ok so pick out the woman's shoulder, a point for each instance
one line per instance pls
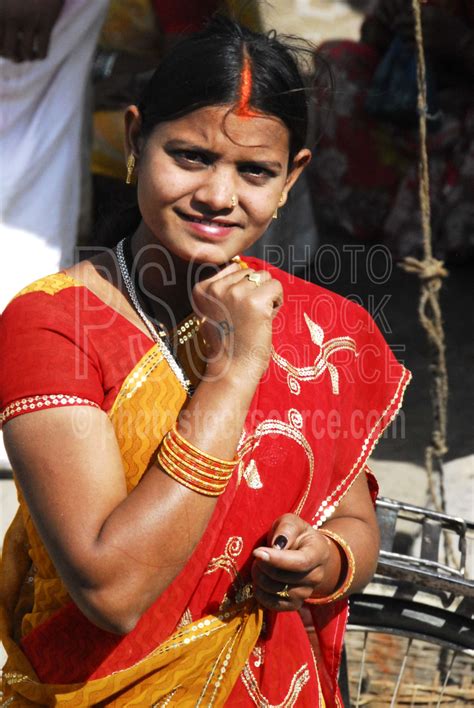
(51, 291)
(49, 303)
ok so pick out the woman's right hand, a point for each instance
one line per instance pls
(238, 316)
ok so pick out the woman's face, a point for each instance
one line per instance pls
(209, 182)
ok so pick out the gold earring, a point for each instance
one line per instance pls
(130, 168)
(233, 201)
(281, 201)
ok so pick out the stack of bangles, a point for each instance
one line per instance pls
(192, 467)
(343, 587)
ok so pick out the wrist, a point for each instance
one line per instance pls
(342, 580)
(233, 373)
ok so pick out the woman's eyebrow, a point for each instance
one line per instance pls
(269, 164)
(192, 147)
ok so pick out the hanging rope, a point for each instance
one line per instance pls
(431, 273)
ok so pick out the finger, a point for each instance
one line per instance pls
(281, 577)
(245, 287)
(281, 580)
(299, 561)
(231, 269)
(276, 603)
(285, 531)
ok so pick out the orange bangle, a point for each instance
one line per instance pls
(184, 444)
(348, 580)
(193, 468)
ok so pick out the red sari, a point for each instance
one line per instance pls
(331, 388)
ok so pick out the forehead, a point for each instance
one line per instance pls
(218, 128)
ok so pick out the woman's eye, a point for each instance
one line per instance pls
(191, 157)
(256, 171)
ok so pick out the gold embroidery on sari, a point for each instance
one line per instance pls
(329, 505)
(166, 700)
(138, 376)
(321, 363)
(259, 656)
(34, 403)
(226, 561)
(186, 618)
(295, 418)
(250, 474)
(293, 385)
(298, 682)
(278, 427)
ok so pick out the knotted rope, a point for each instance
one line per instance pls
(431, 273)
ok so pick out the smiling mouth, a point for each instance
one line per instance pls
(208, 222)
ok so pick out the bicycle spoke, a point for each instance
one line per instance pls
(362, 667)
(445, 682)
(400, 673)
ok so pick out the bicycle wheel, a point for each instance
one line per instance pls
(407, 653)
(410, 638)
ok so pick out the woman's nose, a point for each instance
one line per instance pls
(217, 192)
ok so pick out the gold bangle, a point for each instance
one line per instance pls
(184, 458)
(192, 467)
(189, 485)
(192, 470)
(184, 443)
(351, 568)
(166, 463)
(189, 481)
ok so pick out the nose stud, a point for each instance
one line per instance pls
(233, 201)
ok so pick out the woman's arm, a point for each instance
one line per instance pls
(311, 563)
(116, 552)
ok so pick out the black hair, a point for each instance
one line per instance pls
(206, 69)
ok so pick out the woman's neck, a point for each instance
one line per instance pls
(163, 280)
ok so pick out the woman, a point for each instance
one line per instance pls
(366, 178)
(192, 459)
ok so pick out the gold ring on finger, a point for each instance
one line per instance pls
(255, 278)
(284, 593)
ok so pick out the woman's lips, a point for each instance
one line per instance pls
(213, 228)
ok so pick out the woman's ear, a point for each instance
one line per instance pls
(133, 125)
(300, 161)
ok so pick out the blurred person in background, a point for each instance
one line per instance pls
(366, 175)
(45, 54)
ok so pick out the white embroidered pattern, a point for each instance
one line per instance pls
(226, 561)
(298, 682)
(186, 618)
(321, 363)
(35, 403)
(250, 474)
(329, 505)
(278, 427)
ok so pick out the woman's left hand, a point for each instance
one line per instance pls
(295, 561)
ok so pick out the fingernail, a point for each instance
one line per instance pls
(280, 542)
(263, 555)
